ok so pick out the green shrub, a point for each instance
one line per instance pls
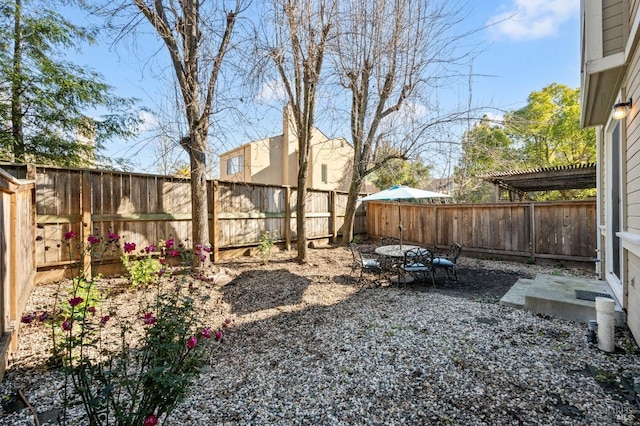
(265, 246)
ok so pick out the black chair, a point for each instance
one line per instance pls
(363, 264)
(448, 260)
(418, 263)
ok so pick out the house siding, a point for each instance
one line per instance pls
(601, 90)
(612, 26)
(632, 153)
(633, 295)
(630, 179)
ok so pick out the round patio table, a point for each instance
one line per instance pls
(396, 251)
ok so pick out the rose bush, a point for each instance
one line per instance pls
(140, 380)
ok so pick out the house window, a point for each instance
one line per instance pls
(324, 174)
(234, 165)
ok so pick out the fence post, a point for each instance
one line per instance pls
(532, 235)
(333, 217)
(87, 224)
(31, 172)
(287, 218)
(437, 227)
(213, 229)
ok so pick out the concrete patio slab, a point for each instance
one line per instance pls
(556, 296)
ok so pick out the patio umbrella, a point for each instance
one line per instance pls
(402, 192)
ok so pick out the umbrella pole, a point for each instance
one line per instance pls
(400, 221)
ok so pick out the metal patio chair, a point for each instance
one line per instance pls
(448, 260)
(363, 264)
(418, 263)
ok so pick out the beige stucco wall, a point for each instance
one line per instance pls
(336, 155)
(228, 156)
(274, 160)
(261, 162)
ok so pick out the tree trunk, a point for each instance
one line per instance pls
(350, 212)
(199, 198)
(301, 218)
(16, 87)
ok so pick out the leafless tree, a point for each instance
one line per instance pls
(197, 36)
(303, 28)
(389, 55)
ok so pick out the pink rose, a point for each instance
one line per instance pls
(152, 420)
(191, 343)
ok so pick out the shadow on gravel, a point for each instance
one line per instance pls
(473, 283)
(257, 290)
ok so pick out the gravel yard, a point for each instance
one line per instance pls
(310, 346)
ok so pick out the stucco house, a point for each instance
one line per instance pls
(274, 160)
(610, 89)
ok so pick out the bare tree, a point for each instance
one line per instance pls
(303, 31)
(388, 55)
(197, 36)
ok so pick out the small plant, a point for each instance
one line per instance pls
(265, 247)
(356, 239)
(147, 269)
(144, 270)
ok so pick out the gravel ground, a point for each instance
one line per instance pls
(310, 346)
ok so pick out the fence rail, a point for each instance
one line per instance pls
(538, 230)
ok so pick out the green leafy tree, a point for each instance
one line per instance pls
(547, 130)
(400, 172)
(485, 148)
(44, 98)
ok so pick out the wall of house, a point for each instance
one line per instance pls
(274, 161)
(630, 178)
(336, 156)
(244, 175)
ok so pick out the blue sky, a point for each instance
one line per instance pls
(532, 44)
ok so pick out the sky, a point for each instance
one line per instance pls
(525, 45)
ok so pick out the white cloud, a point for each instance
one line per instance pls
(412, 111)
(533, 19)
(271, 91)
(148, 121)
(495, 118)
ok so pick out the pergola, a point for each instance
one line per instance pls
(521, 182)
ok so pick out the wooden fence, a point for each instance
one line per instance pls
(17, 261)
(147, 208)
(556, 231)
